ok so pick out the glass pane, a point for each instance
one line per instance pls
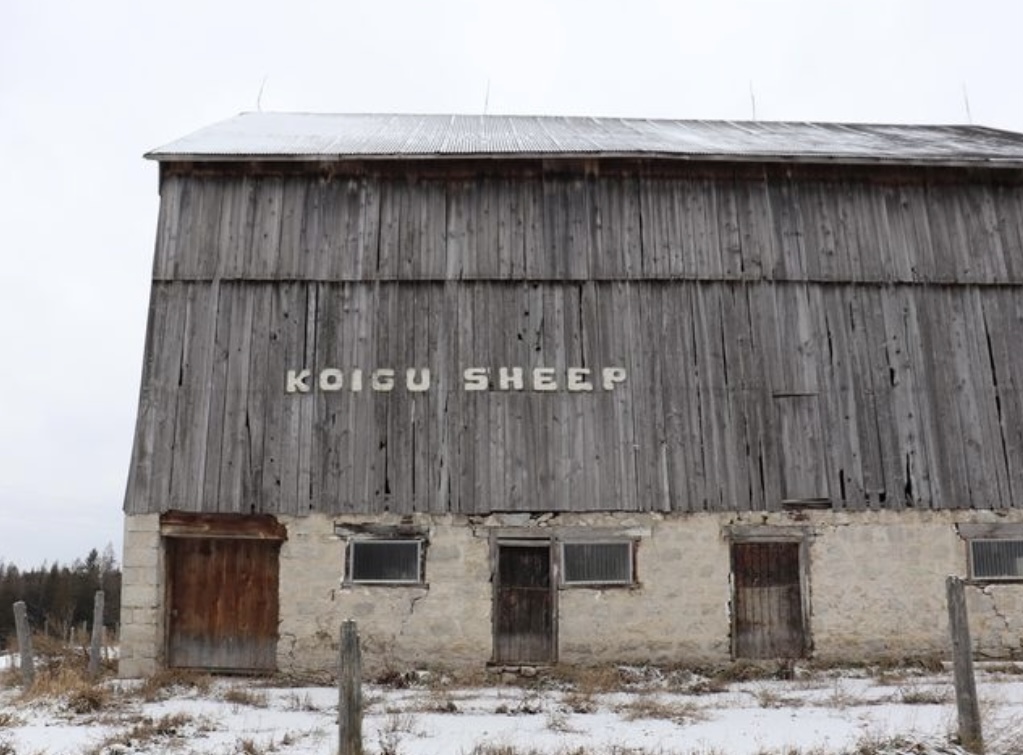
(598, 562)
(997, 559)
(385, 561)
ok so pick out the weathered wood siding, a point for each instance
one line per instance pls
(882, 317)
(879, 226)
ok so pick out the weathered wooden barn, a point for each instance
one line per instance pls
(522, 390)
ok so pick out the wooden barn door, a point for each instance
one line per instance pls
(222, 603)
(524, 627)
(767, 607)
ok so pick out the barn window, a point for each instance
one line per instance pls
(597, 563)
(385, 561)
(996, 559)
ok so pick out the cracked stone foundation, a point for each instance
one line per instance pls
(873, 587)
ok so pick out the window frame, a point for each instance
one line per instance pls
(420, 561)
(971, 558)
(974, 532)
(566, 583)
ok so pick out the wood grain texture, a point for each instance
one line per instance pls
(702, 224)
(914, 397)
(895, 301)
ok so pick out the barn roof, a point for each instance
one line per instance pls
(317, 137)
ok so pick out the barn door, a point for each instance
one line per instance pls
(767, 607)
(222, 603)
(524, 604)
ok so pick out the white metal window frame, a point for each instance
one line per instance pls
(972, 543)
(628, 543)
(353, 545)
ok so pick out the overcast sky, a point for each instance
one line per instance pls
(87, 87)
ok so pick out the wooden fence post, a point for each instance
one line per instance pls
(95, 648)
(350, 692)
(28, 671)
(970, 734)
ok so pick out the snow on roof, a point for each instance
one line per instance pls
(307, 136)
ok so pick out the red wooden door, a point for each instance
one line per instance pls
(223, 604)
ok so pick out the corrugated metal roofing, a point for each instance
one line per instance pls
(306, 136)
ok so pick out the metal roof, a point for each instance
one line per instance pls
(308, 136)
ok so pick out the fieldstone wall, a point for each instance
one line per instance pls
(875, 589)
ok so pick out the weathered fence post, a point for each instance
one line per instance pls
(970, 734)
(95, 648)
(28, 670)
(350, 692)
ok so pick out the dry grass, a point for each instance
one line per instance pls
(398, 725)
(440, 701)
(248, 697)
(167, 682)
(78, 694)
(924, 695)
(769, 697)
(589, 680)
(297, 702)
(557, 720)
(8, 719)
(169, 727)
(580, 702)
(649, 706)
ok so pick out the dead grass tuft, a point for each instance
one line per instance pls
(303, 702)
(557, 720)
(649, 706)
(177, 725)
(700, 685)
(768, 697)
(87, 699)
(579, 702)
(921, 695)
(396, 727)
(750, 671)
(589, 679)
(248, 746)
(69, 684)
(166, 682)
(440, 701)
(243, 696)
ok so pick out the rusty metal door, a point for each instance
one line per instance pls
(767, 607)
(222, 604)
(524, 605)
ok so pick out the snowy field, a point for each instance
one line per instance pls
(624, 711)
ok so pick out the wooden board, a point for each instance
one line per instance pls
(895, 299)
(524, 612)
(767, 610)
(222, 608)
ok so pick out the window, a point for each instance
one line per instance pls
(385, 561)
(597, 563)
(996, 559)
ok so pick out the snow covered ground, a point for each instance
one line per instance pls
(645, 711)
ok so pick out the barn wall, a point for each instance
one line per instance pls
(606, 220)
(874, 582)
(737, 397)
(448, 619)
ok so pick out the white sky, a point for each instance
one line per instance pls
(87, 87)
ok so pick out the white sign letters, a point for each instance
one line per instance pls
(418, 379)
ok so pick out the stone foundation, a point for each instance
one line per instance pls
(874, 585)
(142, 588)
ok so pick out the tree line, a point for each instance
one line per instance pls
(59, 598)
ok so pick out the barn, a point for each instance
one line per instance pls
(519, 391)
